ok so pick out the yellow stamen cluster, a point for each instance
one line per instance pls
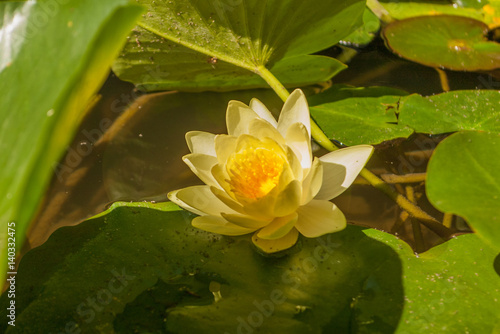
(254, 171)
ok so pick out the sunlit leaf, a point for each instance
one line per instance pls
(339, 92)
(154, 63)
(366, 33)
(141, 266)
(53, 58)
(453, 111)
(464, 178)
(248, 34)
(404, 10)
(368, 120)
(452, 42)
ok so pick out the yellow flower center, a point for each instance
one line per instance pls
(255, 170)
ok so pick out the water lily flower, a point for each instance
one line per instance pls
(261, 177)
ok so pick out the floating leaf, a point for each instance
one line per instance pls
(464, 178)
(452, 111)
(247, 34)
(405, 10)
(339, 92)
(153, 63)
(366, 33)
(50, 66)
(367, 120)
(141, 266)
(452, 42)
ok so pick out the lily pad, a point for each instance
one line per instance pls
(247, 34)
(154, 63)
(53, 59)
(366, 33)
(403, 10)
(142, 266)
(367, 120)
(339, 92)
(452, 111)
(464, 178)
(446, 41)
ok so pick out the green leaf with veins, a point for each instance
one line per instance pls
(249, 34)
(154, 63)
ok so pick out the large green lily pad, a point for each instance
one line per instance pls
(446, 41)
(452, 111)
(142, 267)
(247, 34)
(53, 59)
(464, 178)
(154, 63)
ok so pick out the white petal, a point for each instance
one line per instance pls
(173, 197)
(295, 110)
(288, 200)
(225, 145)
(202, 165)
(228, 200)
(312, 182)
(294, 163)
(340, 169)
(219, 225)
(261, 129)
(263, 112)
(276, 245)
(238, 118)
(201, 199)
(201, 142)
(220, 175)
(279, 227)
(299, 140)
(319, 217)
(245, 221)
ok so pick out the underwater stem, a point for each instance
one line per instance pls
(379, 11)
(443, 79)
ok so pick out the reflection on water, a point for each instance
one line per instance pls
(139, 158)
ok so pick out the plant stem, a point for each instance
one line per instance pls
(318, 135)
(430, 222)
(443, 79)
(376, 182)
(273, 82)
(379, 11)
(417, 231)
(407, 178)
(448, 219)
